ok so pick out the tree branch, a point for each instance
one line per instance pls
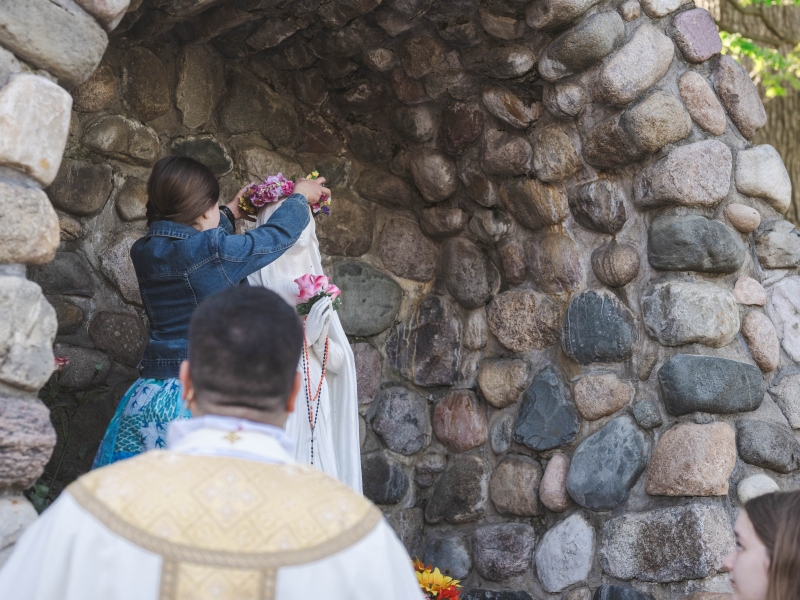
(756, 37)
(781, 36)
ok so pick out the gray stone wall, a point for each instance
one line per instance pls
(569, 288)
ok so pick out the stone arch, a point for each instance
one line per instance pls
(550, 213)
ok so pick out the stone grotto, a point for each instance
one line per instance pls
(572, 297)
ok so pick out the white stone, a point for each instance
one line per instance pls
(31, 236)
(34, 124)
(116, 264)
(783, 309)
(8, 65)
(760, 172)
(565, 554)
(660, 8)
(754, 486)
(258, 163)
(682, 312)
(476, 330)
(16, 513)
(108, 12)
(748, 291)
(786, 393)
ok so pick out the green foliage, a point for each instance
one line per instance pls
(773, 70)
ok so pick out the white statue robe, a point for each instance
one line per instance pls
(108, 536)
(336, 433)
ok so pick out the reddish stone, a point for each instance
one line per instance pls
(407, 90)
(461, 124)
(696, 35)
(459, 421)
(368, 372)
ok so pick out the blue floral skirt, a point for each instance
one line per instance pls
(141, 419)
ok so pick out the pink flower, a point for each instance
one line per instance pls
(308, 288)
(61, 362)
(333, 291)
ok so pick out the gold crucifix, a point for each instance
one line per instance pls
(232, 437)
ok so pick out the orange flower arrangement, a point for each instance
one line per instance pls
(434, 584)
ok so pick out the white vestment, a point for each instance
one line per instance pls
(336, 433)
(70, 554)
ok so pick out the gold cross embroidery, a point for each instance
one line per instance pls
(232, 437)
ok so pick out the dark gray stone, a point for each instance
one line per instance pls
(81, 188)
(647, 414)
(692, 383)
(503, 551)
(370, 299)
(469, 275)
(371, 145)
(401, 420)
(767, 445)
(145, 83)
(427, 468)
(385, 482)
(69, 315)
(694, 243)
(408, 524)
(501, 431)
(450, 555)
(207, 150)
(461, 494)
(122, 335)
(461, 125)
(494, 595)
(606, 465)
(427, 349)
(347, 231)
(598, 328)
(547, 418)
(68, 273)
(599, 206)
(442, 220)
(618, 592)
(405, 251)
(415, 122)
(500, 62)
(86, 367)
(385, 189)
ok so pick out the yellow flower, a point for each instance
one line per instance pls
(313, 175)
(433, 582)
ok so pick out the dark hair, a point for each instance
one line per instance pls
(180, 189)
(776, 520)
(244, 346)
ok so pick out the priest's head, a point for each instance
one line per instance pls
(244, 347)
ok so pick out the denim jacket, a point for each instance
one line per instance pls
(178, 266)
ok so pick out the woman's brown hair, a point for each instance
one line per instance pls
(180, 189)
(776, 520)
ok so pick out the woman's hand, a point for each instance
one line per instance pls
(233, 205)
(318, 321)
(312, 189)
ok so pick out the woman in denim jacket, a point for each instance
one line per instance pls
(190, 252)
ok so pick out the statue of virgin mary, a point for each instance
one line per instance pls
(334, 444)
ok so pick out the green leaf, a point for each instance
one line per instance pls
(768, 67)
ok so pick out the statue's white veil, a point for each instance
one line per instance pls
(302, 258)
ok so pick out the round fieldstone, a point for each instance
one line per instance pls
(597, 396)
(68, 273)
(583, 46)
(443, 221)
(696, 35)
(553, 489)
(615, 264)
(490, 226)
(554, 262)
(515, 265)
(507, 61)
(86, 367)
(762, 339)
(425, 349)
(506, 153)
(501, 430)
(610, 145)
(618, 592)
(459, 421)
(371, 145)
(755, 486)
(598, 328)
(786, 392)
(607, 464)
(145, 83)
(767, 445)
(743, 218)
(450, 555)
(116, 264)
(70, 229)
(656, 121)
(259, 163)
(120, 334)
(760, 172)
(201, 77)
(28, 441)
(565, 553)
(777, 244)
(32, 238)
(547, 418)
(81, 188)
(514, 486)
(599, 206)
(693, 243)
(427, 468)
(97, 92)
(502, 27)
(502, 380)
(630, 11)
(420, 54)
(469, 276)
(385, 189)
(131, 201)
(554, 156)
(635, 67)
(434, 174)
(693, 460)
(368, 372)
(461, 125)
(124, 139)
(385, 482)
(379, 59)
(407, 90)
(69, 315)
(564, 100)
(372, 298)
(347, 231)
(533, 203)
(455, 83)
(508, 107)
(681, 312)
(408, 524)
(417, 123)
(503, 551)
(749, 292)
(480, 187)
(551, 15)
(208, 150)
(461, 493)
(400, 418)
(739, 95)
(709, 384)
(523, 320)
(702, 103)
(783, 310)
(647, 414)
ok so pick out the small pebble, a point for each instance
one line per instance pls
(748, 291)
(742, 217)
(630, 10)
(553, 488)
(646, 414)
